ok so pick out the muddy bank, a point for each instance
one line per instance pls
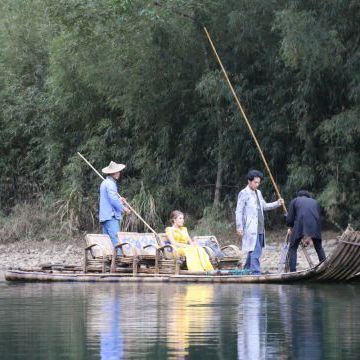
(32, 253)
(27, 254)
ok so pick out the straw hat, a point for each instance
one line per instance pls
(113, 168)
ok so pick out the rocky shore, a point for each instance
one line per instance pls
(271, 255)
(28, 254)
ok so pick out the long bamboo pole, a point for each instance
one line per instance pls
(253, 135)
(121, 198)
(245, 118)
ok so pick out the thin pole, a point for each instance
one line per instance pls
(245, 118)
(254, 137)
(122, 199)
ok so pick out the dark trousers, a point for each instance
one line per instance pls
(293, 252)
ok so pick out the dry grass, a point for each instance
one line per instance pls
(144, 204)
(47, 220)
(36, 220)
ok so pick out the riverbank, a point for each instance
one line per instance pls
(30, 253)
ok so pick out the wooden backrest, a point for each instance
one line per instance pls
(137, 242)
(214, 249)
(105, 246)
(168, 253)
(209, 243)
(203, 240)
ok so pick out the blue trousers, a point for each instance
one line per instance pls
(111, 227)
(253, 258)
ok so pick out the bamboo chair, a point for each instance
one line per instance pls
(232, 254)
(100, 255)
(169, 252)
(182, 259)
(149, 253)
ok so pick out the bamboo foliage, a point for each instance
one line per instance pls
(132, 81)
(145, 205)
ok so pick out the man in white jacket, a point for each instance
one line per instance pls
(250, 220)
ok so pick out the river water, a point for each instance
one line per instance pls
(179, 321)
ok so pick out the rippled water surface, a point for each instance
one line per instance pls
(162, 321)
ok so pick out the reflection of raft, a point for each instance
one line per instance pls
(342, 265)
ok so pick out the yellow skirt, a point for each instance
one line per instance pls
(196, 258)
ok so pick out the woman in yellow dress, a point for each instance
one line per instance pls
(196, 257)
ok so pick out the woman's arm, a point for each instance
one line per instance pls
(190, 240)
(170, 235)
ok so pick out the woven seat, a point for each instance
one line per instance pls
(232, 254)
(100, 255)
(151, 254)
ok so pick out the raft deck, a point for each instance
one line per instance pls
(343, 264)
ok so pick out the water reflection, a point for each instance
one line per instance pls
(303, 329)
(252, 324)
(153, 321)
(189, 316)
(107, 321)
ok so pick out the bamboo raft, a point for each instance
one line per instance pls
(342, 265)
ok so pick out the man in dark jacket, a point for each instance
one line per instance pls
(304, 221)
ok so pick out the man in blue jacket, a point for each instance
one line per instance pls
(304, 221)
(111, 204)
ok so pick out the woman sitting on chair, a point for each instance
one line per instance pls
(196, 256)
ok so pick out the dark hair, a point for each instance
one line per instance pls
(252, 174)
(174, 214)
(303, 193)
